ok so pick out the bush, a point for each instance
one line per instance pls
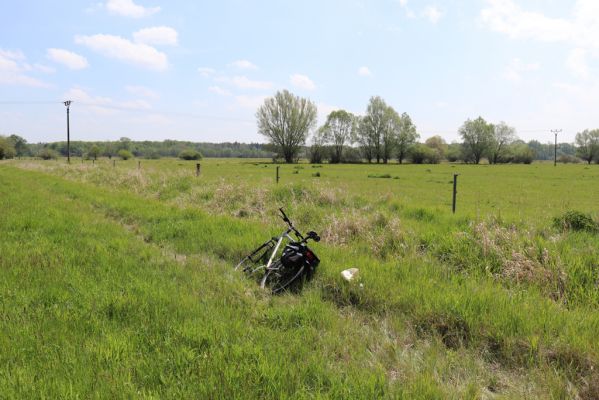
(125, 154)
(567, 159)
(47, 154)
(522, 154)
(422, 154)
(576, 221)
(7, 148)
(190, 154)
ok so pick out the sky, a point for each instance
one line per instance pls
(198, 70)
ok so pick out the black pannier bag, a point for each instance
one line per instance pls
(297, 254)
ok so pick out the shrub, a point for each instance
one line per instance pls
(522, 154)
(567, 159)
(47, 154)
(125, 154)
(422, 154)
(190, 154)
(576, 221)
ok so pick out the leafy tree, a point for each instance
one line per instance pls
(340, 131)
(124, 143)
(478, 138)
(94, 152)
(286, 120)
(588, 145)
(406, 137)
(317, 151)
(503, 136)
(7, 148)
(374, 129)
(438, 144)
(125, 154)
(20, 145)
(365, 140)
(454, 152)
(190, 154)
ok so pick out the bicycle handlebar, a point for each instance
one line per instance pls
(311, 235)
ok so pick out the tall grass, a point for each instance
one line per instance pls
(506, 292)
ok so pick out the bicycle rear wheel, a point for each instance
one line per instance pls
(279, 279)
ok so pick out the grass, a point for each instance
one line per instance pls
(125, 274)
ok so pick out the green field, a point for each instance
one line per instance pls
(117, 281)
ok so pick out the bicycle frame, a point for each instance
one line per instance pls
(275, 245)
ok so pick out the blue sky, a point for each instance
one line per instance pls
(151, 69)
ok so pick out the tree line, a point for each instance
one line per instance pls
(16, 146)
(382, 134)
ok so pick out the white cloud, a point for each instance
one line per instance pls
(43, 68)
(302, 82)
(403, 3)
(67, 58)
(243, 82)
(142, 91)
(218, 90)
(125, 50)
(12, 70)
(580, 29)
(158, 35)
(206, 72)
(577, 63)
(433, 14)
(128, 8)
(364, 71)
(243, 64)
(513, 72)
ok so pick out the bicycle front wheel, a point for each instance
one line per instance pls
(279, 279)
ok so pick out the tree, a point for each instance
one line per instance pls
(125, 154)
(286, 120)
(94, 152)
(7, 148)
(406, 137)
(374, 128)
(503, 136)
(20, 145)
(588, 145)
(438, 145)
(340, 130)
(478, 138)
(318, 150)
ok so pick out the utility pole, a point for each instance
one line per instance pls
(68, 105)
(555, 131)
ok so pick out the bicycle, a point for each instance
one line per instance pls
(296, 263)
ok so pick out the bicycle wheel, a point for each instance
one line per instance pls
(278, 278)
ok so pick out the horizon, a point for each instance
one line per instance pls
(150, 70)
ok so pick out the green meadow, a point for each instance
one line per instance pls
(117, 281)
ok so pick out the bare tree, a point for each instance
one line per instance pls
(340, 130)
(286, 120)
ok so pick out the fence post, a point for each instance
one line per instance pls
(198, 169)
(455, 191)
(278, 173)
(139, 165)
(114, 163)
(94, 161)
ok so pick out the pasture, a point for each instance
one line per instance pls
(117, 281)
